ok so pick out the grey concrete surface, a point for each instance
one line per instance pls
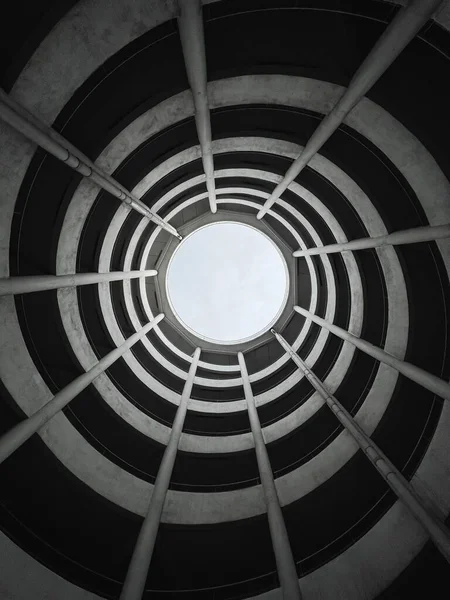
(427, 516)
(23, 577)
(429, 381)
(405, 236)
(286, 568)
(39, 283)
(137, 572)
(34, 130)
(190, 26)
(393, 542)
(400, 31)
(22, 431)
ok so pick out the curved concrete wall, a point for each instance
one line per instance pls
(376, 559)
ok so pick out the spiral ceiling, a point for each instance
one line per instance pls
(110, 77)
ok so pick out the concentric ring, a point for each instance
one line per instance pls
(383, 170)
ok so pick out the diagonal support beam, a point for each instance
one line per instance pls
(435, 528)
(134, 585)
(15, 115)
(287, 571)
(397, 35)
(407, 236)
(40, 283)
(190, 24)
(427, 380)
(21, 432)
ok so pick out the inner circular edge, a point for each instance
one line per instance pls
(260, 331)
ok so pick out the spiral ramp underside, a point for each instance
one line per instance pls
(110, 77)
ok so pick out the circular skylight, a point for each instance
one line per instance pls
(227, 282)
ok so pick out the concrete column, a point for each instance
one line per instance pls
(21, 432)
(427, 380)
(407, 236)
(190, 24)
(31, 127)
(134, 584)
(435, 528)
(397, 35)
(40, 283)
(287, 572)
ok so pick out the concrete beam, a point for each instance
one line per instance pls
(427, 380)
(190, 24)
(435, 528)
(397, 35)
(39, 283)
(134, 584)
(407, 236)
(287, 571)
(21, 432)
(15, 115)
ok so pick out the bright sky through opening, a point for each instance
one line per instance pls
(227, 282)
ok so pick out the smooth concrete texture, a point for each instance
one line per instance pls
(66, 259)
(346, 573)
(367, 118)
(136, 577)
(16, 116)
(225, 91)
(429, 381)
(152, 237)
(130, 492)
(147, 249)
(428, 518)
(284, 386)
(432, 478)
(266, 175)
(176, 350)
(90, 33)
(22, 431)
(400, 31)
(406, 236)
(260, 374)
(372, 563)
(23, 578)
(219, 146)
(106, 303)
(27, 88)
(286, 567)
(15, 158)
(116, 334)
(237, 190)
(347, 577)
(441, 15)
(190, 26)
(351, 190)
(39, 283)
(67, 300)
(71, 331)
